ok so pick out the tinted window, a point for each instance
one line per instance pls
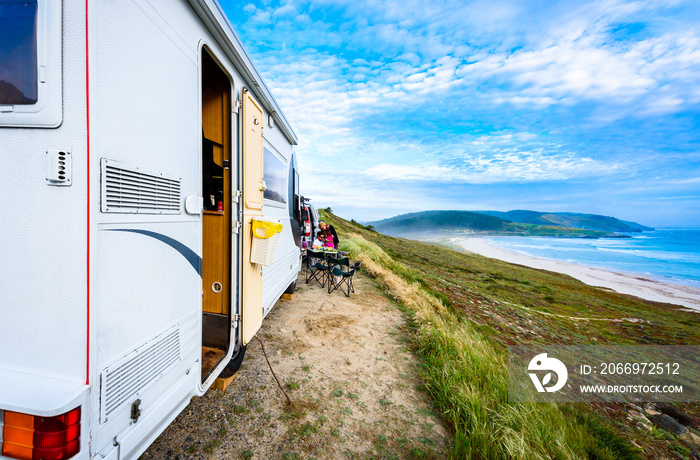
(18, 61)
(293, 193)
(297, 198)
(275, 175)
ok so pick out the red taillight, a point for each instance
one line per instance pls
(30, 437)
(307, 226)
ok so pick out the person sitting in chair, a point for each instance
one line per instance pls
(319, 241)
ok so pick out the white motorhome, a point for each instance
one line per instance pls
(141, 150)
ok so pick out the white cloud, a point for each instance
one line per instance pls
(525, 101)
(495, 167)
(285, 10)
(398, 172)
(575, 58)
(692, 180)
(500, 139)
(261, 17)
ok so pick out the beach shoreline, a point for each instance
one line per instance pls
(624, 283)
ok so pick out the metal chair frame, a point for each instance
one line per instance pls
(355, 268)
(340, 278)
(337, 276)
(317, 270)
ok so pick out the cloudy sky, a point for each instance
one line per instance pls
(412, 105)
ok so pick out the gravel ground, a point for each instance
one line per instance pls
(354, 384)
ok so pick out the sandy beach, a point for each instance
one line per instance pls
(636, 285)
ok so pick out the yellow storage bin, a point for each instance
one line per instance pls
(266, 234)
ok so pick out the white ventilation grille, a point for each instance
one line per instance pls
(128, 189)
(133, 373)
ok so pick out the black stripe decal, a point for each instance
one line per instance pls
(186, 252)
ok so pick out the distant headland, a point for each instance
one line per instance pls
(515, 223)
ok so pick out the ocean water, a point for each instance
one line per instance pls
(669, 255)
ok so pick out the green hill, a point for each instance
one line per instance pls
(523, 223)
(569, 220)
(431, 221)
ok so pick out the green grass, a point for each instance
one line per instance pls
(209, 448)
(240, 410)
(464, 310)
(481, 289)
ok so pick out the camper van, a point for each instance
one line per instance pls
(310, 219)
(151, 218)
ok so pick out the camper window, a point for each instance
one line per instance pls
(30, 63)
(18, 68)
(275, 175)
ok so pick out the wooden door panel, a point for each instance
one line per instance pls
(213, 268)
(252, 148)
(216, 223)
(253, 152)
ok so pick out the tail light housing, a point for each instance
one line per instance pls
(31, 437)
(307, 222)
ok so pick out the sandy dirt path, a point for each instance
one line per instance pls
(345, 363)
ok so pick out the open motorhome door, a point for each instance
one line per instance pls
(253, 188)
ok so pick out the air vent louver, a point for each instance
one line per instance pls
(127, 189)
(132, 374)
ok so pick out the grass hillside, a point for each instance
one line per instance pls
(525, 223)
(466, 309)
(417, 222)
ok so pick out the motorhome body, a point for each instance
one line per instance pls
(140, 147)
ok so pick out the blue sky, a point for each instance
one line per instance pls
(409, 105)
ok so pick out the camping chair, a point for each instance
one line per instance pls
(317, 268)
(332, 261)
(337, 277)
(356, 268)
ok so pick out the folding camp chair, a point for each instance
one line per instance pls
(332, 262)
(355, 268)
(317, 268)
(337, 276)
